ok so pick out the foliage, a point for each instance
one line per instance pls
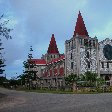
(71, 79)
(4, 32)
(100, 81)
(91, 77)
(84, 80)
(88, 79)
(2, 80)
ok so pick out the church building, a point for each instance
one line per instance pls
(82, 53)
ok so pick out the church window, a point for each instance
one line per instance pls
(72, 44)
(88, 64)
(102, 63)
(69, 45)
(80, 41)
(87, 55)
(93, 43)
(72, 65)
(107, 64)
(86, 42)
(71, 56)
(90, 43)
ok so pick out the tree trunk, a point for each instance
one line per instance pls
(74, 87)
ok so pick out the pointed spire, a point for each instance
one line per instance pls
(52, 49)
(80, 28)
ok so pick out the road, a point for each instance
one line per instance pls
(19, 101)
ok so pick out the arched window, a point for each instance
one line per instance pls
(102, 63)
(81, 41)
(72, 65)
(107, 64)
(87, 55)
(89, 43)
(88, 63)
(71, 56)
(94, 43)
(107, 78)
(86, 42)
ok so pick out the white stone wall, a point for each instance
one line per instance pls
(83, 60)
(102, 57)
(69, 60)
(79, 52)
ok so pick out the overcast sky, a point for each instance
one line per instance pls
(34, 21)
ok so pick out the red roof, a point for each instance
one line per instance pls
(80, 28)
(57, 59)
(38, 61)
(52, 46)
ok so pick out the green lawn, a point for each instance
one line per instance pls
(57, 91)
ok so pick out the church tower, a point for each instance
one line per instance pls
(81, 51)
(80, 28)
(52, 52)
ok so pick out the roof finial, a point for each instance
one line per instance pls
(79, 12)
(52, 35)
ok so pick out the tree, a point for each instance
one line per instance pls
(71, 80)
(4, 32)
(100, 81)
(30, 73)
(89, 78)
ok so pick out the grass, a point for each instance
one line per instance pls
(57, 91)
(81, 91)
(47, 91)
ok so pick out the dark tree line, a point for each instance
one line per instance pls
(4, 33)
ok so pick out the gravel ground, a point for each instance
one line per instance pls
(2, 95)
(17, 101)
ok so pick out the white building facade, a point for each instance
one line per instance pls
(83, 53)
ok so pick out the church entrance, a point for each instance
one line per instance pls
(107, 80)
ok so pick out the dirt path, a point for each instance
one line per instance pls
(20, 101)
(8, 100)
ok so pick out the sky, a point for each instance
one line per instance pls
(34, 21)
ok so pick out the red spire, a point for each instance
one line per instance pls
(52, 46)
(80, 28)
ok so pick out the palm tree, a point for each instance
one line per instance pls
(71, 80)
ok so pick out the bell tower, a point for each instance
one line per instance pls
(81, 51)
(52, 51)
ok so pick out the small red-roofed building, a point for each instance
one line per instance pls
(50, 68)
(55, 66)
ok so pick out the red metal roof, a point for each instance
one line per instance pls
(80, 28)
(43, 62)
(52, 49)
(57, 59)
(38, 61)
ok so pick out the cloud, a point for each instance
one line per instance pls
(18, 62)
